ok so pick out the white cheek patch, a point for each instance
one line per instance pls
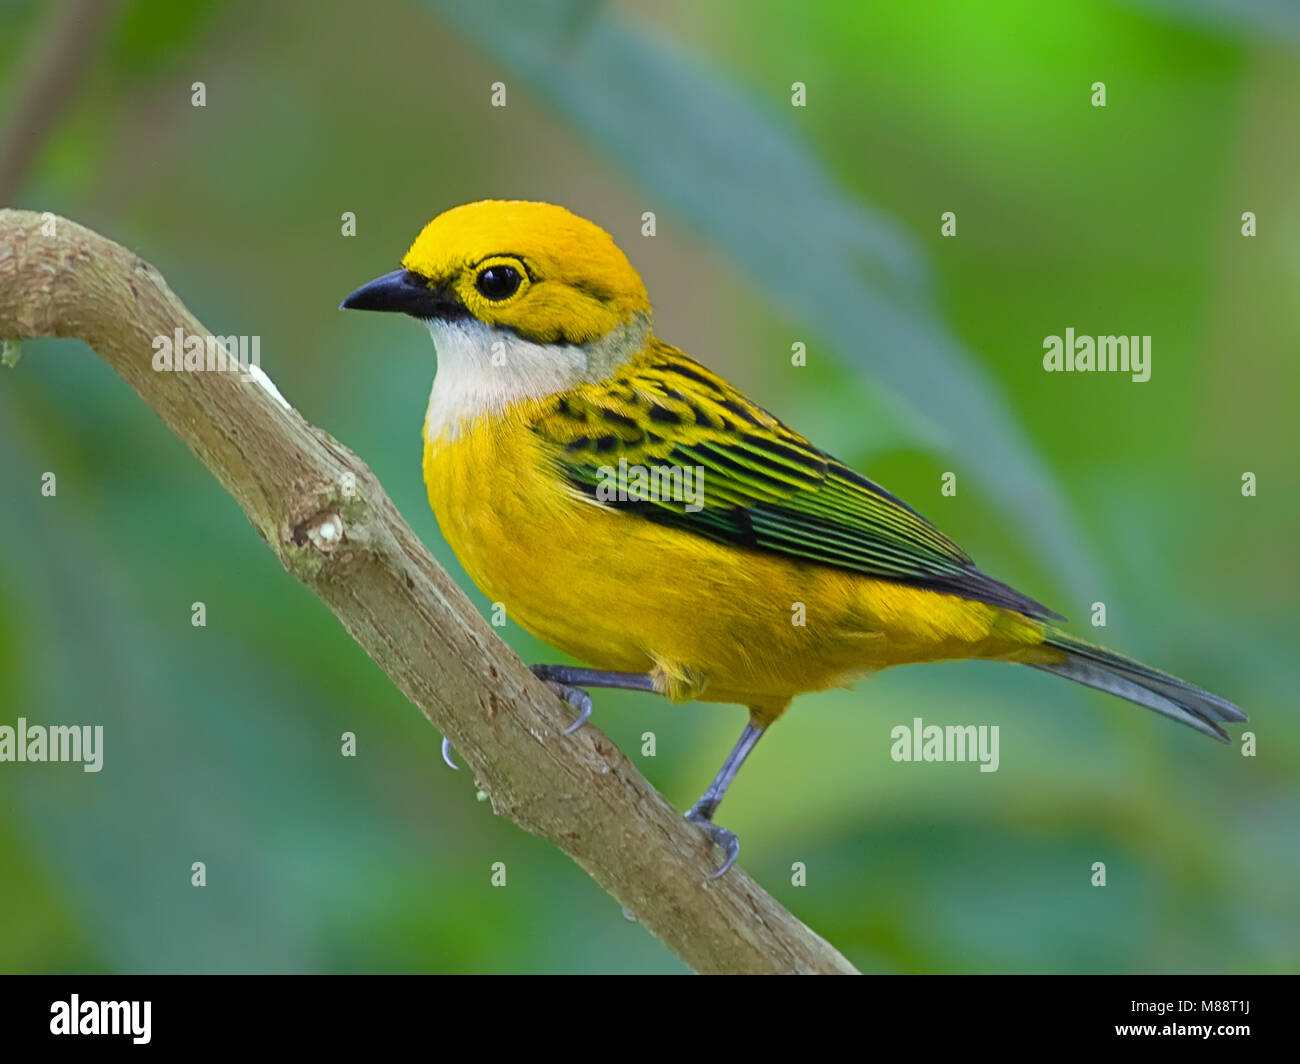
(482, 370)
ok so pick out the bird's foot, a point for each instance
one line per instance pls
(575, 696)
(728, 842)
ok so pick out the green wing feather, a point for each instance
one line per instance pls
(763, 487)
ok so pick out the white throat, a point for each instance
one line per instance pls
(482, 370)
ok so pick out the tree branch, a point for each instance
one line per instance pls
(343, 538)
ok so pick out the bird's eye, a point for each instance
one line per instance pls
(498, 282)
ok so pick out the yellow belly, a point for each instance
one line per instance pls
(711, 621)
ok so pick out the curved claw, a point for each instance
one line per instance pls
(577, 698)
(446, 754)
(727, 841)
(582, 705)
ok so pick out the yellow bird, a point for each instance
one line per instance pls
(638, 512)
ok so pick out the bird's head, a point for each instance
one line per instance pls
(523, 300)
(534, 270)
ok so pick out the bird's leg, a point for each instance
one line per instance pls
(579, 677)
(702, 811)
(569, 682)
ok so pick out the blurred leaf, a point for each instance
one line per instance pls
(150, 35)
(1275, 21)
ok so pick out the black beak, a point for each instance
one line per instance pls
(406, 293)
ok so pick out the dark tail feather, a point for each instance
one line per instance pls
(1105, 670)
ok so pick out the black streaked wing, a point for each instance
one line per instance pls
(763, 486)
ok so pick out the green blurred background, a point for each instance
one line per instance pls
(775, 225)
